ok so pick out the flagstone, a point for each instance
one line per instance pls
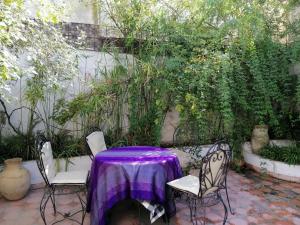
(255, 200)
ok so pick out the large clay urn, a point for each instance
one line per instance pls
(14, 180)
(260, 137)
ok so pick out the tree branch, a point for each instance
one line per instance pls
(17, 131)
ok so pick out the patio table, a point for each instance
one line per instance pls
(136, 172)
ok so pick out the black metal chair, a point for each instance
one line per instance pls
(228, 150)
(187, 141)
(205, 190)
(59, 183)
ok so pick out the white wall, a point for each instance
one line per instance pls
(80, 12)
(91, 64)
(77, 11)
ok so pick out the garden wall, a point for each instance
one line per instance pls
(75, 10)
(81, 16)
(84, 163)
(273, 168)
(91, 64)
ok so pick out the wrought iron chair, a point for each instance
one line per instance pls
(186, 140)
(205, 190)
(56, 182)
(96, 142)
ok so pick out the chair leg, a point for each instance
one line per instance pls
(83, 206)
(231, 211)
(139, 209)
(225, 208)
(52, 197)
(43, 204)
(191, 209)
(204, 211)
(166, 219)
(49, 193)
(195, 211)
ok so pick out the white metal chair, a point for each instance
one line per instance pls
(205, 190)
(96, 142)
(56, 182)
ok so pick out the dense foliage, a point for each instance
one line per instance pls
(64, 145)
(290, 154)
(35, 57)
(33, 49)
(224, 65)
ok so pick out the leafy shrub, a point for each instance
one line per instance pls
(224, 71)
(225, 68)
(64, 145)
(289, 155)
(16, 146)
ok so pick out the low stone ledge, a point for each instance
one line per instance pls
(183, 157)
(273, 168)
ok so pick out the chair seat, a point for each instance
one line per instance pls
(71, 177)
(188, 183)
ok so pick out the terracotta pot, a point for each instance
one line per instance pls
(14, 180)
(260, 137)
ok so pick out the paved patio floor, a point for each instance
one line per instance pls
(255, 199)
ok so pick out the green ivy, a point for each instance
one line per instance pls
(224, 66)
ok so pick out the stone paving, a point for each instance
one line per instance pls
(255, 199)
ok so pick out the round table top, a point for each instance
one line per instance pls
(136, 153)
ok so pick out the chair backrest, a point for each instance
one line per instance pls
(96, 142)
(187, 140)
(214, 168)
(44, 159)
(223, 145)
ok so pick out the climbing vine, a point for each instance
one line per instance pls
(224, 65)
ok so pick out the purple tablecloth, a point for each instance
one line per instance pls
(139, 172)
